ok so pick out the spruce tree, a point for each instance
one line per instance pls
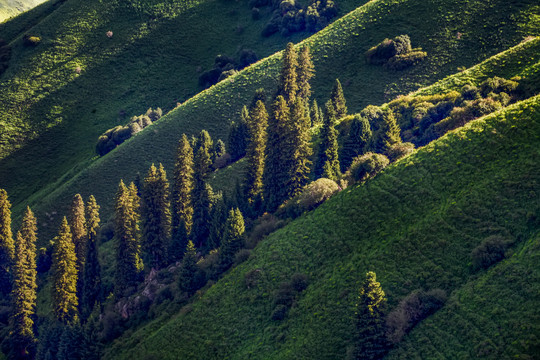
(253, 184)
(297, 150)
(327, 165)
(219, 149)
(7, 246)
(182, 207)
(156, 216)
(275, 171)
(315, 114)
(233, 238)
(356, 142)
(77, 224)
(260, 95)
(370, 320)
(288, 86)
(24, 293)
(238, 134)
(189, 280)
(219, 217)
(388, 133)
(338, 100)
(202, 192)
(92, 270)
(64, 276)
(305, 72)
(128, 261)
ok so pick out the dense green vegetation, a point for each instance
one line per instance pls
(335, 49)
(415, 225)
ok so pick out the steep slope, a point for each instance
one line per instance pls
(337, 52)
(414, 225)
(10, 8)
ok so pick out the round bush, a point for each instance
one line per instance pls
(280, 312)
(366, 166)
(397, 151)
(312, 196)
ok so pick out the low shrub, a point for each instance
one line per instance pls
(411, 310)
(5, 56)
(279, 313)
(397, 151)
(264, 226)
(311, 196)
(31, 40)
(241, 256)
(252, 277)
(299, 282)
(489, 252)
(401, 62)
(366, 166)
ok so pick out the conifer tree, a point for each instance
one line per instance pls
(356, 142)
(202, 192)
(275, 171)
(219, 217)
(24, 292)
(92, 269)
(315, 114)
(288, 86)
(305, 72)
(156, 216)
(238, 134)
(64, 276)
(233, 238)
(7, 246)
(327, 165)
(219, 149)
(338, 100)
(260, 95)
(182, 213)
(128, 261)
(297, 150)
(77, 224)
(370, 320)
(388, 133)
(189, 281)
(253, 184)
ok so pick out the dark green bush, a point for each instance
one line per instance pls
(403, 61)
(395, 54)
(264, 226)
(311, 196)
(489, 252)
(366, 166)
(241, 256)
(411, 310)
(470, 92)
(299, 282)
(5, 56)
(279, 313)
(496, 85)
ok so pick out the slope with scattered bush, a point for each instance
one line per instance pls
(336, 52)
(415, 225)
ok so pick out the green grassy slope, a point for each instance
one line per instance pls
(10, 8)
(414, 225)
(337, 52)
(53, 115)
(494, 316)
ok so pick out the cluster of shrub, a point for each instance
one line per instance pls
(5, 55)
(31, 40)
(287, 294)
(289, 16)
(117, 135)
(225, 66)
(425, 118)
(395, 54)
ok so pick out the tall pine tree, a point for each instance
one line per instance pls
(77, 224)
(305, 73)
(64, 276)
(128, 250)
(297, 150)
(288, 85)
(202, 192)
(188, 280)
(315, 114)
(182, 207)
(338, 100)
(238, 134)
(156, 216)
(388, 133)
(24, 292)
(327, 165)
(253, 184)
(370, 319)
(275, 171)
(92, 270)
(233, 238)
(356, 142)
(7, 246)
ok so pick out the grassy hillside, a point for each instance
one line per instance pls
(337, 52)
(414, 225)
(10, 8)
